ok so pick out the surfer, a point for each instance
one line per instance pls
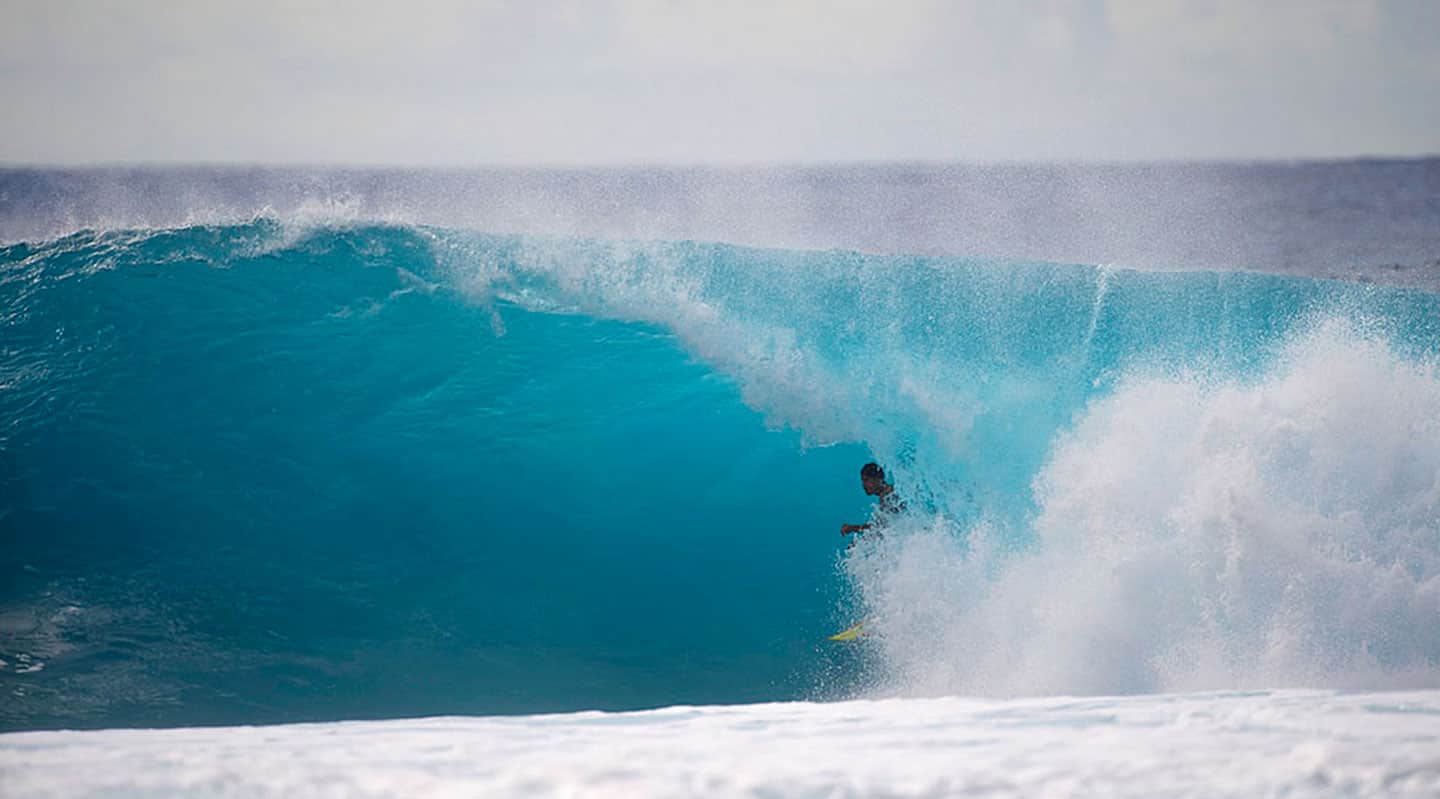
(872, 479)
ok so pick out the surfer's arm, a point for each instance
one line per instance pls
(847, 529)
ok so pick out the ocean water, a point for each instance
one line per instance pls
(288, 447)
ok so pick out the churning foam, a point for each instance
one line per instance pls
(1195, 532)
(1291, 743)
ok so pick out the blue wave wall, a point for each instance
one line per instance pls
(257, 474)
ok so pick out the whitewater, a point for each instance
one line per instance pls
(462, 493)
(1230, 745)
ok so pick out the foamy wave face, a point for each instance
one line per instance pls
(1197, 533)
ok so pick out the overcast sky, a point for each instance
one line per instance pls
(677, 81)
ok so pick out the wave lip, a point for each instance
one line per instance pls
(1370, 219)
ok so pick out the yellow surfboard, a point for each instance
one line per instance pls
(850, 634)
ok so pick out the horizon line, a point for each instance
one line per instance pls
(698, 166)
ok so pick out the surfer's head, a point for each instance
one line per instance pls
(872, 477)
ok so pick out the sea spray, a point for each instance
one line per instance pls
(1195, 531)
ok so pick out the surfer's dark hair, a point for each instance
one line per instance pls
(872, 471)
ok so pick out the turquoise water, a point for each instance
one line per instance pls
(263, 472)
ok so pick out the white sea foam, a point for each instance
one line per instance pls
(1195, 533)
(1295, 744)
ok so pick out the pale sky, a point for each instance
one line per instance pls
(557, 82)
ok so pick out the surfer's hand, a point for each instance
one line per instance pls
(847, 529)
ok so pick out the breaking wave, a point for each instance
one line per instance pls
(265, 472)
